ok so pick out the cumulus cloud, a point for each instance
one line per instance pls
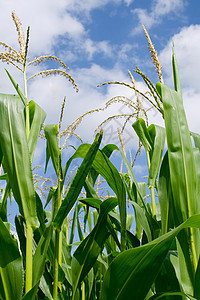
(94, 47)
(85, 6)
(158, 9)
(47, 20)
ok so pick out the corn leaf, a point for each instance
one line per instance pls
(196, 138)
(165, 196)
(157, 134)
(18, 89)
(182, 171)
(52, 148)
(88, 251)
(11, 265)
(133, 272)
(40, 254)
(142, 219)
(177, 83)
(107, 170)
(143, 134)
(37, 117)
(196, 284)
(77, 182)
(16, 161)
(171, 294)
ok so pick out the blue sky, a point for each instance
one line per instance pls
(100, 40)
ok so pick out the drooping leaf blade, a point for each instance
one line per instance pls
(143, 134)
(52, 149)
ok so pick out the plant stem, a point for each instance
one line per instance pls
(194, 255)
(29, 230)
(29, 257)
(83, 291)
(58, 246)
(56, 266)
(151, 189)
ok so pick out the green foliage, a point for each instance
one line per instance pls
(89, 246)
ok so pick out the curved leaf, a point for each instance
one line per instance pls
(143, 134)
(52, 148)
(133, 271)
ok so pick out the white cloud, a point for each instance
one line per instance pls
(94, 47)
(85, 6)
(47, 20)
(158, 9)
(128, 2)
(140, 169)
(50, 22)
(163, 7)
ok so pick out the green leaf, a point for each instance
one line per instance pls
(157, 134)
(11, 265)
(16, 161)
(125, 274)
(107, 170)
(52, 149)
(88, 251)
(182, 171)
(31, 294)
(77, 182)
(142, 187)
(196, 153)
(18, 89)
(196, 284)
(136, 188)
(177, 83)
(165, 196)
(143, 134)
(40, 254)
(172, 294)
(37, 116)
(142, 219)
(1, 155)
(4, 177)
(20, 228)
(196, 138)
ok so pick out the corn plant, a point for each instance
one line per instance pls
(156, 256)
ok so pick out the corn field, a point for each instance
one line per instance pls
(127, 248)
